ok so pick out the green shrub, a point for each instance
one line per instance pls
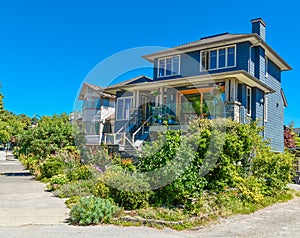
(92, 210)
(128, 190)
(51, 167)
(80, 172)
(78, 188)
(101, 190)
(274, 169)
(58, 180)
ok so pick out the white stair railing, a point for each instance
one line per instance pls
(142, 127)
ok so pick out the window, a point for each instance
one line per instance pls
(92, 128)
(248, 100)
(218, 58)
(123, 108)
(92, 103)
(168, 66)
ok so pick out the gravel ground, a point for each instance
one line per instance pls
(27, 211)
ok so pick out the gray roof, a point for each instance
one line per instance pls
(130, 81)
(209, 40)
(99, 90)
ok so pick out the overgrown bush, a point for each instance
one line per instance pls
(51, 167)
(93, 210)
(274, 169)
(78, 188)
(130, 191)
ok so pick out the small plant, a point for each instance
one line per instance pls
(92, 210)
(58, 180)
(71, 202)
(101, 190)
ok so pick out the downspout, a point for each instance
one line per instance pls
(250, 54)
(249, 62)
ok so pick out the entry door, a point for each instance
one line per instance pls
(145, 107)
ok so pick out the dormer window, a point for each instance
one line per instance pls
(219, 58)
(169, 66)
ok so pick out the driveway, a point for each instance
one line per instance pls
(28, 211)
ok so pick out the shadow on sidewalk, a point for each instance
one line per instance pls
(16, 174)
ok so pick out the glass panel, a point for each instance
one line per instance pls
(176, 65)
(248, 103)
(230, 56)
(168, 66)
(97, 103)
(213, 59)
(204, 60)
(127, 108)
(105, 102)
(162, 64)
(120, 108)
(222, 58)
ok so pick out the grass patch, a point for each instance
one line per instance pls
(207, 210)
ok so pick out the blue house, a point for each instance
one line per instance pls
(235, 76)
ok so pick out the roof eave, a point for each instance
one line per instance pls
(253, 38)
(241, 75)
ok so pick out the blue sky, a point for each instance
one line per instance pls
(47, 48)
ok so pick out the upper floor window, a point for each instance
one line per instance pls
(91, 103)
(220, 58)
(168, 66)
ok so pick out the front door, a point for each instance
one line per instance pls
(145, 103)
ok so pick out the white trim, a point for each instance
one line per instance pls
(266, 109)
(248, 109)
(266, 67)
(117, 107)
(165, 66)
(217, 58)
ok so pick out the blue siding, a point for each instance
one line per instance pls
(275, 122)
(190, 63)
(242, 54)
(260, 68)
(257, 106)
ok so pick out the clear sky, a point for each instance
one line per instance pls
(47, 48)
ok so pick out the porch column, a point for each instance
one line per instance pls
(161, 96)
(137, 99)
(230, 89)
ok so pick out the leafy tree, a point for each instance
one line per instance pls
(52, 134)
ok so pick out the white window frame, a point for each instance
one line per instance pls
(266, 67)
(266, 108)
(124, 108)
(202, 69)
(248, 104)
(165, 66)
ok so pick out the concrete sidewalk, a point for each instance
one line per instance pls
(24, 201)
